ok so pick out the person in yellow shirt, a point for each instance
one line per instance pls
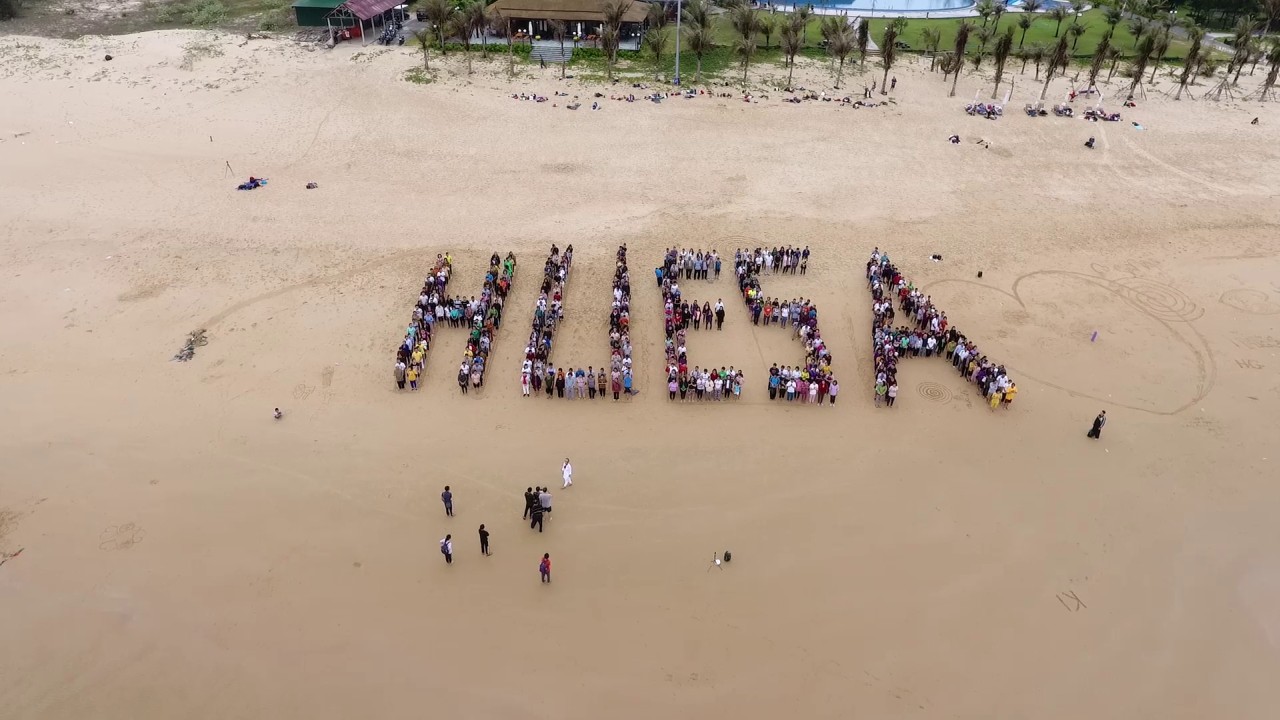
(412, 375)
(996, 397)
(1010, 394)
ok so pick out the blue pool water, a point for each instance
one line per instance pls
(890, 6)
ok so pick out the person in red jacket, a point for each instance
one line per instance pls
(544, 567)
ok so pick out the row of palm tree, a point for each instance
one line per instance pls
(1153, 31)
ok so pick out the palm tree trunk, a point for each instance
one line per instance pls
(1023, 38)
(884, 82)
(840, 73)
(746, 63)
(995, 92)
(790, 70)
(697, 73)
(955, 80)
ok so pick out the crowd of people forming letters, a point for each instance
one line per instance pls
(481, 316)
(813, 381)
(696, 384)
(538, 374)
(925, 330)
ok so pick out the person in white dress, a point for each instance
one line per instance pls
(567, 470)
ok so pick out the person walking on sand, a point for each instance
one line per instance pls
(567, 471)
(1098, 423)
(530, 499)
(544, 502)
(446, 549)
(446, 497)
(544, 567)
(484, 541)
(535, 514)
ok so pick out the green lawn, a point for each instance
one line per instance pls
(1042, 31)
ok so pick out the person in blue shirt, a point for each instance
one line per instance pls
(447, 498)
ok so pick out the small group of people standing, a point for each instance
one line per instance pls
(703, 384)
(537, 508)
(431, 305)
(486, 318)
(764, 261)
(537, 505)
(797, 384)
(690, 265)
(925, 330)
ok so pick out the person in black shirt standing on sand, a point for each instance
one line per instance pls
(536, 514)
(484, 541)
(530, 499)
(1098, 423)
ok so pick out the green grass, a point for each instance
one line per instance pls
(1041, 32)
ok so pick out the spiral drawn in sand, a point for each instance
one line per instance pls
(1159, 300)
(934, 392)
(1253, 302)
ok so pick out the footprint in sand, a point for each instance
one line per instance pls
(326, 376)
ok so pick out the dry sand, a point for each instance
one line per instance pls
(186, 556)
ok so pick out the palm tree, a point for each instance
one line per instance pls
(1100, 55)
(458, 27)
(424, 39)
(791, 42)
(888, 53)
(700, 42)
(657, 17)
(476, 25)
(841, 44)
(1145, 49)
(1273, 70)
(932, 38)
(611, 32)
(1032, 6)
(985, 9)
(1078, 7)
(1024, 22)
(1195, 34)
(1139, 27)
(440, 14)
(746, 24)
(768, 25)
(1271, 11)
(863, 39)
(999, 12)
(985, 34)
(1075, 31)
(1058, 13)
(827, 27)
(802, 16)
(1112, 15)
(1004, 45)
(1037, 53)
(1162, 47)
(1113, 56)
(962, 39)
(656, 41)
(558, 33)
(1243, 39)
(1057, 60)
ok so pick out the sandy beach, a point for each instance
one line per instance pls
(185, 555)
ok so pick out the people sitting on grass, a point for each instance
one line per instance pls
(924, 329)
